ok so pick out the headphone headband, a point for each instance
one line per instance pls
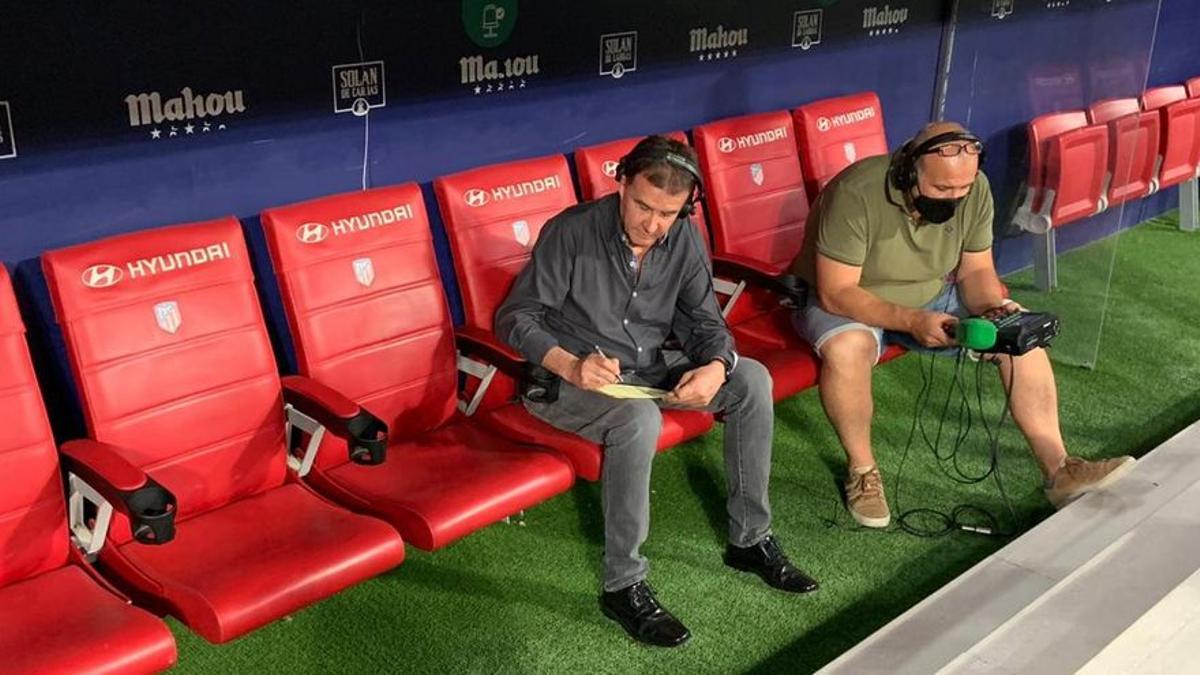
(659, 150)
(904, 170)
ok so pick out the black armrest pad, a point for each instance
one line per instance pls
(366, 435)
(149, 506)
(475, 342)
(758, 274)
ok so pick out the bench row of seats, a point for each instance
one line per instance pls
(211, 488)
(1082, 162)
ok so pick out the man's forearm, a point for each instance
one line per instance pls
(560, 362)
(981, 291)
(866, 307)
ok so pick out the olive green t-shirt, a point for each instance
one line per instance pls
(859, 219)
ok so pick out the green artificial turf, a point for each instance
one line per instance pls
(522, 597)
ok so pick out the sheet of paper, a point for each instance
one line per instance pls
(632, 391)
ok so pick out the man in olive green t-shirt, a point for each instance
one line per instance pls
(897, 250)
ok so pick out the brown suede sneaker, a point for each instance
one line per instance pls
(1078, 476)
(865, 499)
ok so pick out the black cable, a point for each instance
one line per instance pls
(964, 517)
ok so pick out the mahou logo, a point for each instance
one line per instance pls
(884, 20)
(150, 108)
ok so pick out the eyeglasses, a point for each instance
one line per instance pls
(953, 149)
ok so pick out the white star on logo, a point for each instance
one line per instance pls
(207, 127)
(522, 83)
(700, 57)
(174, 132)
(733, 52)
(220, 127)
(155, 133)
(190, 128)
(478, 89)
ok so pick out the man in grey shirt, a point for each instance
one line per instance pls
(608, 283)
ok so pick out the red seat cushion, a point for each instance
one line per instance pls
(447, 483)
(493, 216)
(516, 423)
(239, 567)
(63, 621)
(369, 318)
(175, 368)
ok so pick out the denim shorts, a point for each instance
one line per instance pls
(818, 326)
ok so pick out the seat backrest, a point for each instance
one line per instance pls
(365, 303)
(1193, 87)
(1160, 97)
(33, 520)
(172, 360)
(596, 166)
(1102, 112)
(833, 133)
(493, 216)
(1076, 164)
(755, 188)
(1133, 142)
(1041, 130)
(1179, 143)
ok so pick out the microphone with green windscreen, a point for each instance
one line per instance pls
(977, 334)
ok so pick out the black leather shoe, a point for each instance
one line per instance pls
(638, 612)
(767, 560)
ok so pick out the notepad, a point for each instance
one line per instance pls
(632, 391)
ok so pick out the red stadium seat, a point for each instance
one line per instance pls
(1193, 87)
(56, 614)
(833, 133)
(597, 167)
(178, 383)
(1132, 148)
(493, 216)
(1068, 162)
(757, 208)
(369, 318)
(1179, 141)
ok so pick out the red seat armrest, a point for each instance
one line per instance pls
(149, 506)
(758, 274)
(366, 434)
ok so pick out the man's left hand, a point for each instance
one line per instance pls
(1004, 309)
(698, 386)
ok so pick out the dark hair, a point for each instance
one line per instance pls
(648, 158)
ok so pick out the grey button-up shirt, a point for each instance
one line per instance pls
(582, 289)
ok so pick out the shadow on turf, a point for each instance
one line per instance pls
(854, 623)
(508, 590)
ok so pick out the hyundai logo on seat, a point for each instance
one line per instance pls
(102, 276)
(475, 197)
(312, 233)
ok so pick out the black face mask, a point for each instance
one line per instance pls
(935, 211)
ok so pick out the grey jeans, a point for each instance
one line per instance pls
(629, 429)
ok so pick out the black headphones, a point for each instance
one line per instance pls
(904, 167)
(656, 148)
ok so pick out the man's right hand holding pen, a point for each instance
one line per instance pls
(592, 372)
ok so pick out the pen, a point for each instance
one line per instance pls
(605, 356)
